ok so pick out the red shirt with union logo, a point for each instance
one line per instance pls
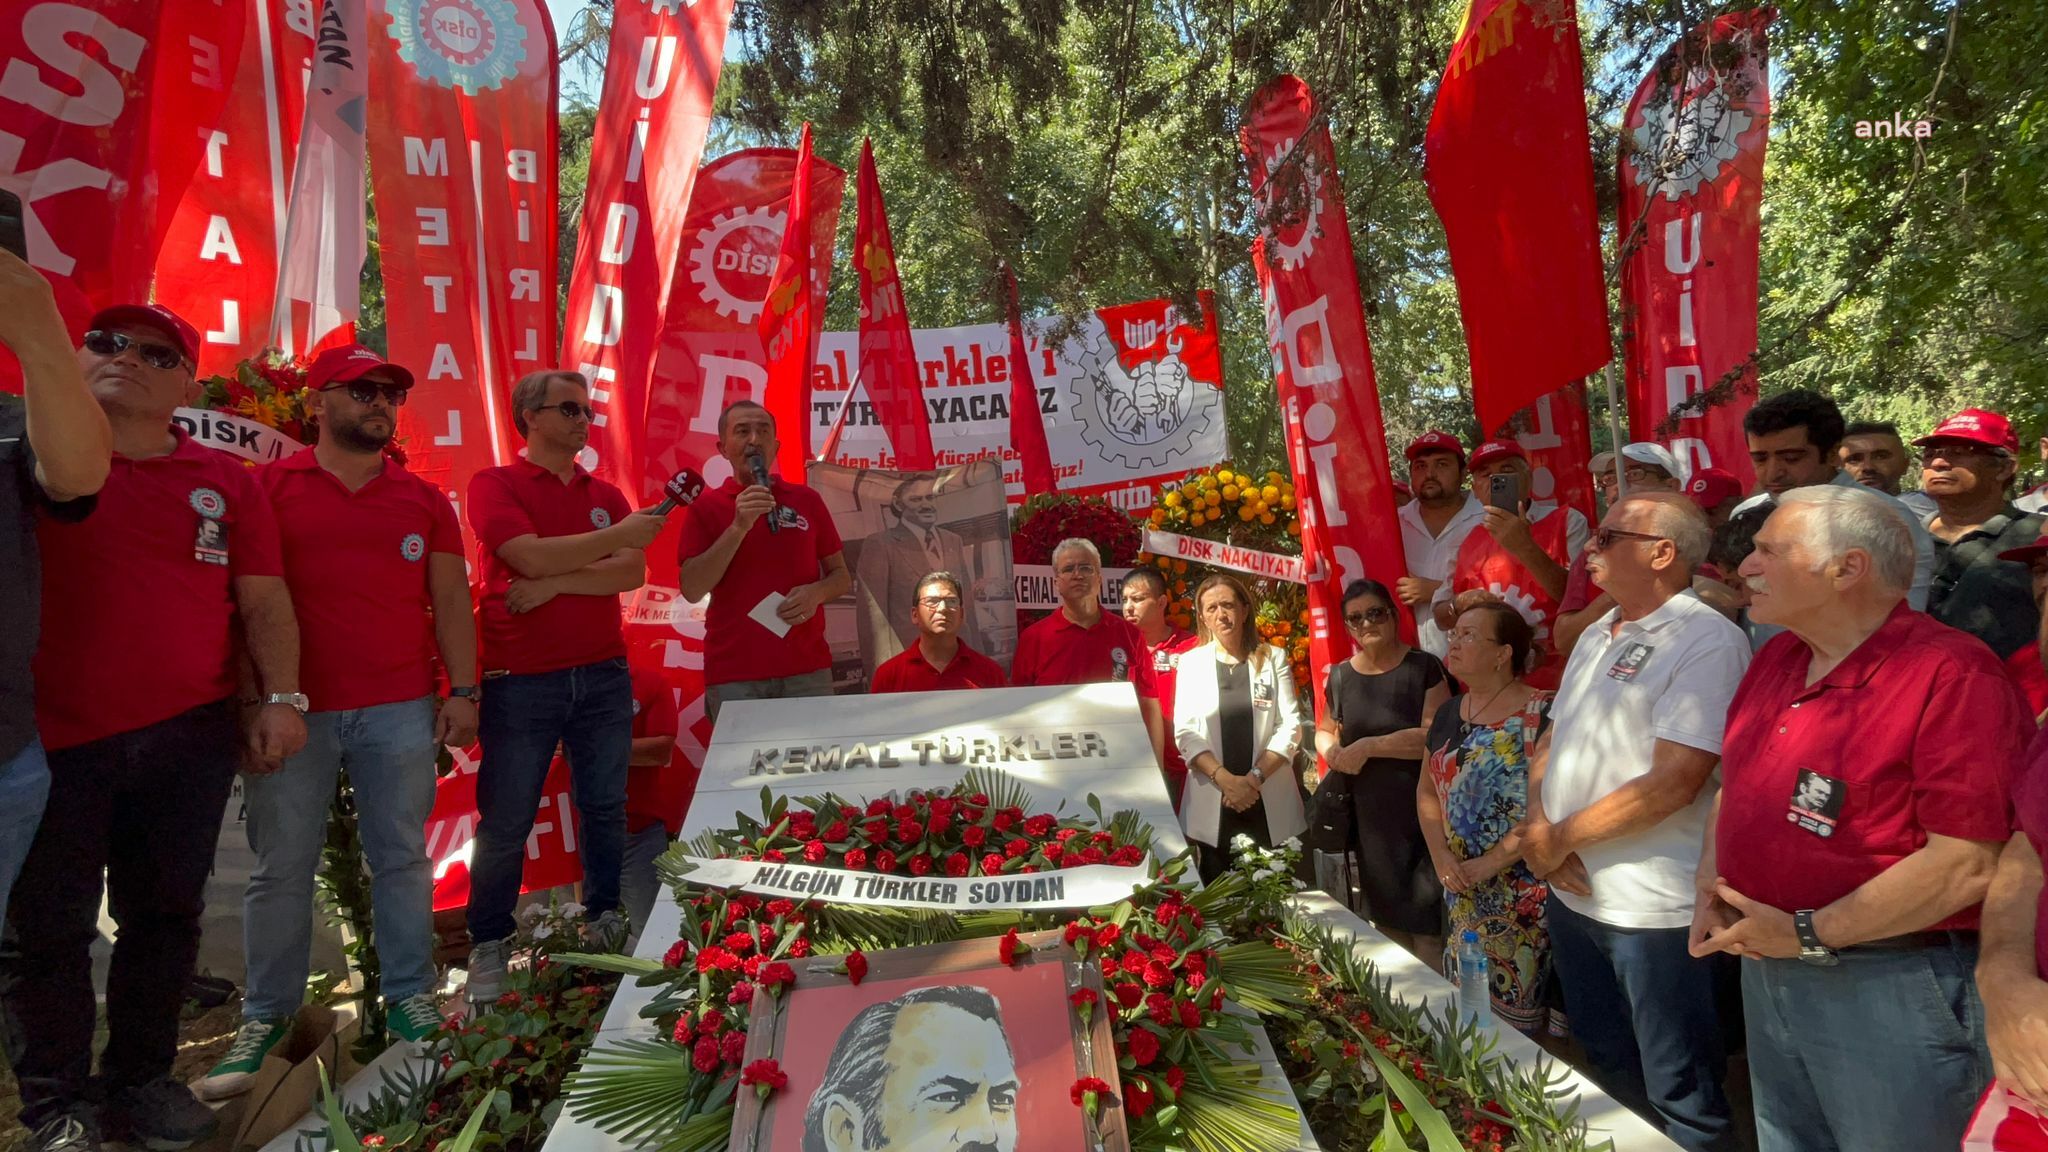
(737, 647)
(138, 598)
(357, 566)
(568, 631)
(1165, 669)
(1058, 651)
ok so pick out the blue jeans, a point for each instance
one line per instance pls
(639, 887)
(24, 789)
(818, 683)
(1644, 1010)
(1881, 1053)
(388, 752)
(588, 710)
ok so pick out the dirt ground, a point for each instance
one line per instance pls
(202, 1040)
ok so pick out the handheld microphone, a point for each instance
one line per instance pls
(682, 489)
(759, 467)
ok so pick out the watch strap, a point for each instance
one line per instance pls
(1802, 925)
(467, 692)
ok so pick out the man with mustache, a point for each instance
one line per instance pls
(1433, 527)
(930, 1071)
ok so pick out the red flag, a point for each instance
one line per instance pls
(1027, 423)
(219, 264)
(1322, 358)
(644, 151)
(1692, 188)
(1558, 437)
(1510, 170)
(888, 362)
(790, 320)
(463, 164)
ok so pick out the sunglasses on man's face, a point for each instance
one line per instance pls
(1605, 538)
(1369, 616)
(366, 392)
(112, 344)
(571, 409)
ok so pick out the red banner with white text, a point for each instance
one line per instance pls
(1558, 436)
(219, 264)
(660, 72)
(1692, 188)
(105, 107)
(1322, 360)
(462, 143)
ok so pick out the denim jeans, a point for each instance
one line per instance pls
(817, 683)
(24, 788)
(639, 887)
(136, 816)
(388, 752)
(1882, 1053)
(1644, 1010)
(588, 710)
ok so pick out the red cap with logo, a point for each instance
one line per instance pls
(1976, 426)
(1435, 441)
(351, 362)
(1712, 487)
(183, 335)
(1493, 450)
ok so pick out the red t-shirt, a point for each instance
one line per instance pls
(357, 566)
(2024, 666)
(1058, 651)
(736, 647)
(1917, 732)
(1165, 669)
(909, 671)
(139, 596)
(2031, 804)
(657, 793)
(568, 631)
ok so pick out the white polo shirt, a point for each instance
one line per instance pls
(1433, 558)
(1668, 676)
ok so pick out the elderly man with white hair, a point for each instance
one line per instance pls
(1619, 793)
(1082, 644)
(1871, 756)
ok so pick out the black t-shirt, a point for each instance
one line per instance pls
(1383, 703)
(21, 574)
(1234, 717)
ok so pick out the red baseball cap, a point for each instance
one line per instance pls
(1497, 449)
(183, 335)
(1712, 487)
(1435, 441)
(2026, 553)
(1976, 426)
(351, 362)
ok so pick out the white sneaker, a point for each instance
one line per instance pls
(236, 1071)
(487, 962)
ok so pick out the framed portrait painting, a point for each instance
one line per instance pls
(940, 1048)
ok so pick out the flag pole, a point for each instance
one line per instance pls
(1614, 429)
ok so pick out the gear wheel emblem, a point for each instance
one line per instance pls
(470, 45)
(1677, 150)
(1295, 209)
(719, 254)
(1148, 419)
(1522, 602)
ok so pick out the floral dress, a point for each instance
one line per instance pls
(1482, 780)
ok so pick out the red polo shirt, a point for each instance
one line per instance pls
(1058, 651)
(568, 631)
(656, 793)
(1917, 732)
(138, 598)
(909, 671)
(2031, 803)
(2024, 666)
(357, 566)
(736, 647)
(1165, 669)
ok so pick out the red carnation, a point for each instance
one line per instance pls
(782, 909)
(803, 826)
(875, 831)
(942, 806)
(1084, 1000)
(1006, 948)
(775, 856)
(705, 1058)
(1074, 931)
(1005, 819)
(1040, 826)
(980, 798)
(974, 836)
(733, 1048)
(799, 948)
(904, 812)
(1016, 848)
(1191, 1016)
(856, 966)
(1127, 994)
(1144, 1046)
(1137, 1097)
(777, 976)
(682, 1034)
(1089, 1091)
(1134, 962)
(1159, 1007)
(920, 865)
(1055, 853)
(767, 937)
(909, 831)
(837, 831)
(676, 954)
(1094, 856)
(957, 864)
(1127, 855)
(742, 994)
(765, 1077)
(879, 806)
(938, 824)
(1108, 934)
(1157, 975)
(711, 1023)
(815, 852)
(991, 864)
(713, 958)
(1066, 834)
(740, 942)
(1175, 1078)
(885, 861)
(856, 858)
(1165, 954)
(752, 965)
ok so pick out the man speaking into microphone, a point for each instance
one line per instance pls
(766, 552)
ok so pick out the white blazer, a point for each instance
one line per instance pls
(1198, 728)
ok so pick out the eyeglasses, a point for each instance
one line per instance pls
(366, 392)
(1369, 616)
(1954, 450)
(1076, 570)
(1604, 538)
(941, 603)
(569, 408)
(111, 344)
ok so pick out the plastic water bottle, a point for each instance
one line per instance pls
(1475, 1000)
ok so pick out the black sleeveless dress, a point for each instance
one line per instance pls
(1395, 874)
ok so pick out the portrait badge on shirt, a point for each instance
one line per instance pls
(1119, 664)
(791, 518)
(210, 541)
(1629, 664)
(1816, 803)
(1164, 661)
(1262, 694)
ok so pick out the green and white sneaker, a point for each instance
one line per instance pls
(237, 1070)
(413, 1019)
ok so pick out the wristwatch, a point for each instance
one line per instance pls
(464, 693)
(295, 699)
(1811, 950)
(1258, 777)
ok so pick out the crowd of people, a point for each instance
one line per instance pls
(1775, 741)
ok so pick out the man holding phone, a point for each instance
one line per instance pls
(54, 451)
(1516, 558)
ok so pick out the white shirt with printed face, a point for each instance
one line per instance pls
(1433, 558)
(1668, 676)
